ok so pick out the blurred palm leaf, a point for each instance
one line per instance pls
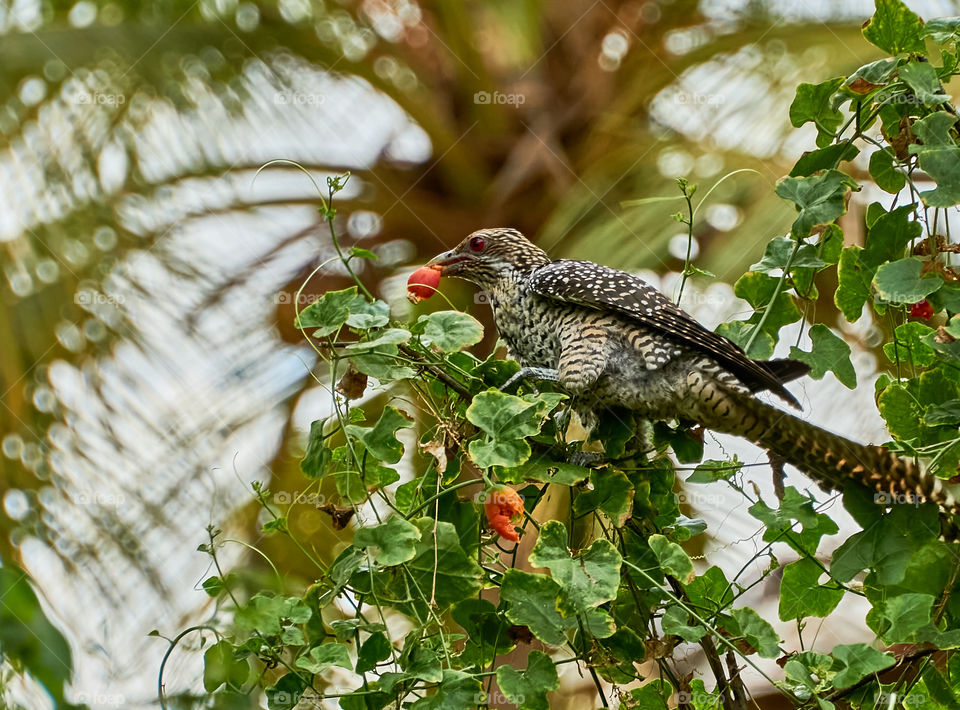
(145, 340)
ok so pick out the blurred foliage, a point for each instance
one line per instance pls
(128, 128)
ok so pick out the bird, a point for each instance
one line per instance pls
(611, 340)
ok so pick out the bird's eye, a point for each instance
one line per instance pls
(477, 244)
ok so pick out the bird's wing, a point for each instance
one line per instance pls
(600, 287)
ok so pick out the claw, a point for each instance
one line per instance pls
(544, 374)
(585, 458)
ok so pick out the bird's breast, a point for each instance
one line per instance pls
(529, 326)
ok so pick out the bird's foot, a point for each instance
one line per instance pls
(543, 374)
(586, 458)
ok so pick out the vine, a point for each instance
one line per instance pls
(420, 608)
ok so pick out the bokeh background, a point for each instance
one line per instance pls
(148, 364)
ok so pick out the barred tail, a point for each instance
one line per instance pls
(828, 458)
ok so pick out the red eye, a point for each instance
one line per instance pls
(477, 244)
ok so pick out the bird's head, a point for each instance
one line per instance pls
(489, 255)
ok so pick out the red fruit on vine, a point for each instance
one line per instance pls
(502, 505)
(922, 309)
(423, 283)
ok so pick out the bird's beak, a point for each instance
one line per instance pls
(448, 259)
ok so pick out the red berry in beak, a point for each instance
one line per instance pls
(423, 283)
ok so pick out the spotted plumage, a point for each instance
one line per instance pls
(612, 340)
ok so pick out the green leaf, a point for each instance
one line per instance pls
(266, 613)
(740, 332)
(939, 157)
(898, 618)
(220, 665)
(758, 289)
(395, 540)
(457, 690)
(894, 28)
(945, 413)
(810, 672)
(499, 453)
(922, 78)
(375, 649)
(506, 416)
(528, 690)
(887, 545)
(442, 563)
(799, 507)
(676, 622)
(819, 199)
(813, 103)
(757, 632)
(532, 600)
(611, 493)
(390, 336)
(380, 440)
(824, 159)
(885, 173)
(381, 362)
(328, 313)
(213, 586)
(830, 353)
(507, 420)
(858, 660)
(587, 580)
(778, 252)
(830, 244)
(541, 471)
(801, 593)
(361, 253)
(908, 345)
(326, 655)
(710, 590)
(946, 298)
(854, 283)
(650, 696)
(890, 235)
(487, 631)
(366, 314)
(713, 470)
(875, 73)
(942, 29)
(318, 457)
(673, 560)
(901, 411)
(449, 331)
(287, 692)
(903, 281)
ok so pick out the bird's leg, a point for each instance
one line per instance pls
(543, 374)
(586, 458)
